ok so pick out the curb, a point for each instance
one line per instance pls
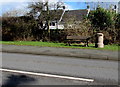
(84, 56)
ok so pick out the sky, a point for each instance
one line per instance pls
(9, 5)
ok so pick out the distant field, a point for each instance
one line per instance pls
(51, 44)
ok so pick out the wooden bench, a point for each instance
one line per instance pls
(77, 39)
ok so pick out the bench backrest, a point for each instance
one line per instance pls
(77, 37)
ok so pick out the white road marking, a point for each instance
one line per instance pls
(47, 75)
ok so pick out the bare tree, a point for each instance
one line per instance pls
(41, 12)
(13, 13)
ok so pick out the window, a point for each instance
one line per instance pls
(53, 24)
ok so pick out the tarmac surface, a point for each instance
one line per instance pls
(22, 80)
(16, 79)
(101, 71)
(92, 55)
(65, 52)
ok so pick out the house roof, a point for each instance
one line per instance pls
(77, 14)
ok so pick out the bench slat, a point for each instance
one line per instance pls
(77, 37)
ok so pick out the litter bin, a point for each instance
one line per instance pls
(99, 41)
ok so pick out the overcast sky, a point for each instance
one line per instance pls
(8, 5)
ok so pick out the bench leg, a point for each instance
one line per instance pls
(86, 43)
(69, 44)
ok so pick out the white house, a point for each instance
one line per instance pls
(54, 25)
(79, 14)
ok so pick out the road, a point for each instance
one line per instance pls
(15, 80)
(103, 72)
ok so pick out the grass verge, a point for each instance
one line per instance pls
(63, 45)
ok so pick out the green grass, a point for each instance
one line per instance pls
(51, 44)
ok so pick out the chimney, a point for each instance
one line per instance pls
(88, 10)
(115, 8)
